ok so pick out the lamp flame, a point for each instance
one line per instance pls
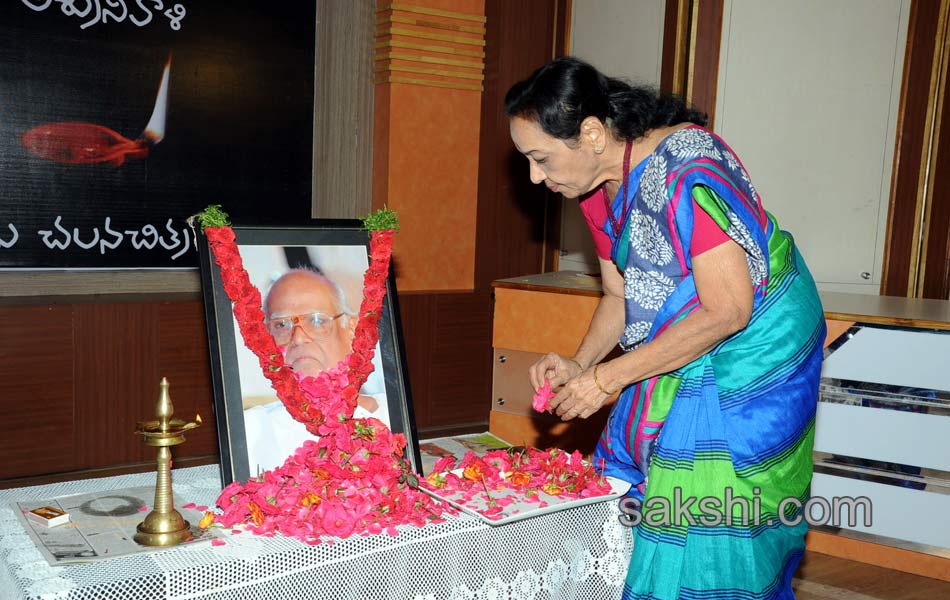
(155, 130)
(198, 418)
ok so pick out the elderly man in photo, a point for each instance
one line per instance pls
(311, 322)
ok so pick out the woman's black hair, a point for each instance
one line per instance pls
(567, 90)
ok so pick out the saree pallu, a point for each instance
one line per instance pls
(735, 423)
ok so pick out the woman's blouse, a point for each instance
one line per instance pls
(706, 233)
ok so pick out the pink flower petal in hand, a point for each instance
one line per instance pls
(542, 397)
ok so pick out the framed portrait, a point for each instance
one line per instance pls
(311, 284)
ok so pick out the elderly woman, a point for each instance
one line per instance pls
(720, 322)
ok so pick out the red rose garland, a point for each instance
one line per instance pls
(360, 362)
(250, 319)
(247, 311)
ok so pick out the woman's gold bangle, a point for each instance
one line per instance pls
(579, 366)
(597, 383)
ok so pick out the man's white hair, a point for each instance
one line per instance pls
(338, 296)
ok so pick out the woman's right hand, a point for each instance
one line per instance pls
(557, 369)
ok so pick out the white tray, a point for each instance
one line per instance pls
(517, 511)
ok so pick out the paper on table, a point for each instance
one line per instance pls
(457, 446)
(101, 525)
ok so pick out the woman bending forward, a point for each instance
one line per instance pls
(720, 322)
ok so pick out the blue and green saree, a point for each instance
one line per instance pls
(737, 422)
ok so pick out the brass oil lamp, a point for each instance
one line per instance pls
(164, 526)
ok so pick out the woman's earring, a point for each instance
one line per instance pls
(598, 149)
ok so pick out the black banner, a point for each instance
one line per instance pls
(120, 118)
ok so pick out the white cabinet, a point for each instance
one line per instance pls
(882, 435)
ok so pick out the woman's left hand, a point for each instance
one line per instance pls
(579, 398)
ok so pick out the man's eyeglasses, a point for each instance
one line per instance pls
(314, 324)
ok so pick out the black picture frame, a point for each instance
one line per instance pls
(299, 244)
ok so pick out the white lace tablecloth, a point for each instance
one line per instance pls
(577, 553)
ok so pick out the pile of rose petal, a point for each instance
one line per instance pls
(525, 471)
(352, 480)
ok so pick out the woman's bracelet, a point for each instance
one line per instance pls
(579, 365)
(597, 383)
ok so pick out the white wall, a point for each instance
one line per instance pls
(808, 95)
(622, 38)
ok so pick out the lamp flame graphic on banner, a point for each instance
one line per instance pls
(120, 125)
(87, 143)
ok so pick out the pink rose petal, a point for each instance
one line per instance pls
(542, 397)
(217, 542)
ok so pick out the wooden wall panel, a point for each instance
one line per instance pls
(703, 68)
(675, 44)
(417, 331)
(381, 117)
(183, 359)
(512, 212)
(935, 262)
(116, 381)
(36, 377)
(460, 383)
(99, 368)
(912, 136)
(343, 110)
(448, 351)
(936, 276)
(692, 36)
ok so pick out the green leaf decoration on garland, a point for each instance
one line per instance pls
(381, 220)
(213, 216)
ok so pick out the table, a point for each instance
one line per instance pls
(577, 553)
